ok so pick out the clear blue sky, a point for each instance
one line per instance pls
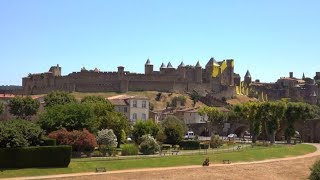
(268, 37)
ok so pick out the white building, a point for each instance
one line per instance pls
(134, 107)
(193, 117)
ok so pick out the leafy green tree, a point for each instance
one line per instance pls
(174, 129)
(142, 127)
(195, 97)
(98, 99)
(19, 133)
(23, 107)
(215, 117)
(116, 121)
(1, 108)
(249, 112)
(72, 116)
(59, 98)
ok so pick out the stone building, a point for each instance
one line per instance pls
(214, 77)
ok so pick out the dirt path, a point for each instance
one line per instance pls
(284, 168)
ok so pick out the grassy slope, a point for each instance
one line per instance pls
(86, 165)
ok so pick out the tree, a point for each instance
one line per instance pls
(249, 112)
(59, 98)
(315, 171)
(215, 117)
(1, 108)
(195, 97)
(116, 121)
(107, 141)
(173, 129)
(72, 116)
(19, 133)
(98, 99)
(149, 145)
(23, 107)
(142, 127)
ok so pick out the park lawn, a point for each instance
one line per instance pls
(89, 165)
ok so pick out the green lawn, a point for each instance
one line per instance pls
(89, 165)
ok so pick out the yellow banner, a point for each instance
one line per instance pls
(215, 71)
(223, 65)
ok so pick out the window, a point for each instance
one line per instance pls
(134, 116)
(144, 116)
(125, 109)
(134, 103)
(144, 104)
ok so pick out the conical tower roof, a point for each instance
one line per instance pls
(211, 61)
(169, 65)
(182, 64)
(198, 64)
(303, 76)
(163, 66)
(248, 75)
(148, 62)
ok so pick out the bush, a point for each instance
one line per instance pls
(48, 142)
(129, 150)
(189, 144)
(19, 133)
(144, 127)
(315, 171)
(40, 156)
(81, 141)
(181, 99)
(107, 141)
(204, 146)
(166, 147)
(173, 129)
(149, 145)
(215, 141)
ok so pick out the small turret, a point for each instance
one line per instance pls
(148, 67)
(198, 72)
(247, 78)
(56, 70)
(303, 76)
(181, 65)
(182, 69)
(169, 65)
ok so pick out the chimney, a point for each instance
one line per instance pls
(291, 74)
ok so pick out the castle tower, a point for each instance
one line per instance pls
(303, 76)
(247, 78)
(56, 70)
(120, 72)
(230, 71)
(148, 67)
(198, 77)
(182, 70)
(162, 68)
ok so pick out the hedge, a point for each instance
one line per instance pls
(37, 156)
(204, 146)
(48, 142)
(189, 144)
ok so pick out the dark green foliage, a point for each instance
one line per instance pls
(173, 129)
(19, 133)
(40, 156)
(144, 127)
(1, 108)
(149, 145)
(98, 99)
(181, 99)
(23, 107)
(129, 150)
(166, 147)
(59, 98)
(72, 116)
(189, 144)
(204, 146)
(117, 122)
(45, 141)
(315, 171)
(215, 141)
(195, 97)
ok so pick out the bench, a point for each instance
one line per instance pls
(101, 169)
(226, 161)
(175, 151)
(163, 152)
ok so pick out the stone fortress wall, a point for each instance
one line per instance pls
(215, 77)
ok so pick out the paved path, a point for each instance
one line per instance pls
(282, 168)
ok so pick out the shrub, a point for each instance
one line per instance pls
(215, 141)
(189, 144)
(19, 133)
(129, 150)
(173, 129)
(48, 142)
(166, 147)
(81, 141)
(149, 145)
(40, 156)
(144, 127)
(107, 141)
(315, 171)
(181, 99)
(204, 146)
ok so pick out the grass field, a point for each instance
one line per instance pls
(89, 165)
